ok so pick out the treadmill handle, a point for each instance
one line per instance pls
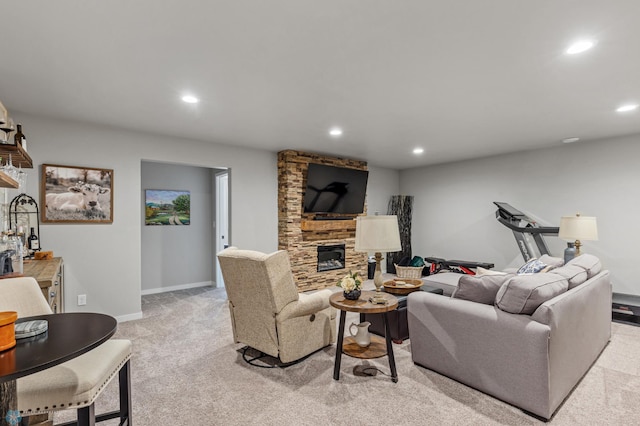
(547, 230)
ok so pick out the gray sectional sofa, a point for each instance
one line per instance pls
(529, 345)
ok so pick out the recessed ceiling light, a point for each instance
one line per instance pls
(570, 140)
(190, 99)
(628, 107)
(418, 151)
(335, 132)
(580, 46)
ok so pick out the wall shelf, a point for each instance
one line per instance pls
(7, 181)
(328, 225)
(19, 156)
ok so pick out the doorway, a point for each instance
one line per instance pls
(222, 219)
(181, 257)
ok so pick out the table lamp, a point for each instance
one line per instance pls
(377, 234)
(578, 228)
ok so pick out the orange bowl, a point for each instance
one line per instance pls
(7, 330)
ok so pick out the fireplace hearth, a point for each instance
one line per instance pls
(331, 257)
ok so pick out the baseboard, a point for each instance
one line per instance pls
(177, 287)
(129, 317)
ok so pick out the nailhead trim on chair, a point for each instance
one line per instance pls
(30, 411)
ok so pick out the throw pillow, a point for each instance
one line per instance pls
(555, 262)
(531, 267)
(523, 294)
(589, 263)
(572, 273)
(482, 271)
(480, 289)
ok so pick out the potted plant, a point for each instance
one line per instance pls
(351, 284)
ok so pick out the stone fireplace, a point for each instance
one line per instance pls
(302, 236)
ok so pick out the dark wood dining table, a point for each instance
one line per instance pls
(69, 335)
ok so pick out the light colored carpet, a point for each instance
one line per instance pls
(187, 371)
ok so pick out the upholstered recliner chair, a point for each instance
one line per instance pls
(267, 312)
(74, 384)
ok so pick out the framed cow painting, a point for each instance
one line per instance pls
(72, 194)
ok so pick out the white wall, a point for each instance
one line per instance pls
(454, 215)
(382, 184)
(176, 257)
(104, 261)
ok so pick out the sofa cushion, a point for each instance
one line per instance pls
(447, 281)
(572, 273)
(589, 263)
(523, 294)
(481, 289)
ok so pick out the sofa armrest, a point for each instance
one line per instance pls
(306, 304)
(580, 323)
(499, 353)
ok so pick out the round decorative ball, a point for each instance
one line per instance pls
(352, 295)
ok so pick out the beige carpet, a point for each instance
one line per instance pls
(187, 371)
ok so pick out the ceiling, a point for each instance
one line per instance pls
(459, 78)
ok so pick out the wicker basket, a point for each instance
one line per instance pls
(414, 272)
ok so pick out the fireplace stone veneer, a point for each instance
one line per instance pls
(302, 244)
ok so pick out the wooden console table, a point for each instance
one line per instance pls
(50, 276)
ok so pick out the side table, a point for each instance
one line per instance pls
(376, 349)
(397, 319)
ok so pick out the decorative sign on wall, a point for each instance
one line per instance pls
(76, 194)
(167, 207)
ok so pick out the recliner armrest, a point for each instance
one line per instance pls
(306, 304)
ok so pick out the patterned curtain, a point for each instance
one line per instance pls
(401, 205)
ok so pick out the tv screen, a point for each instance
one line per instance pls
(337, 190)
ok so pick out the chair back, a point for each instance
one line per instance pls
(24, 296)
(257, 280)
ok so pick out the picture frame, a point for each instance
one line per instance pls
(167, 207)
(74, 194)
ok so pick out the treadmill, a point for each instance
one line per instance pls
(527, 232)
(625, 307)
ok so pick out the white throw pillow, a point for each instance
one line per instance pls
(482, 271)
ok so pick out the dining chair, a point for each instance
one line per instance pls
(75, 384)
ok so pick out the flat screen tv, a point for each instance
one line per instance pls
(335, 190)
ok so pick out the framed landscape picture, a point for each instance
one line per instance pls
(71, 194)
(167, 207)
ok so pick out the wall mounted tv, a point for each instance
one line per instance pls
(335, 190)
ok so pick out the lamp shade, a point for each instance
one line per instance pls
(578, 228)
(377, 234)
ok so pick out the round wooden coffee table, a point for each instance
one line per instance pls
(377, 347)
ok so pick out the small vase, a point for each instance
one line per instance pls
(362, 337)
(352, 295)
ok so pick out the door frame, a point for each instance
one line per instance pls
(222, 221)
